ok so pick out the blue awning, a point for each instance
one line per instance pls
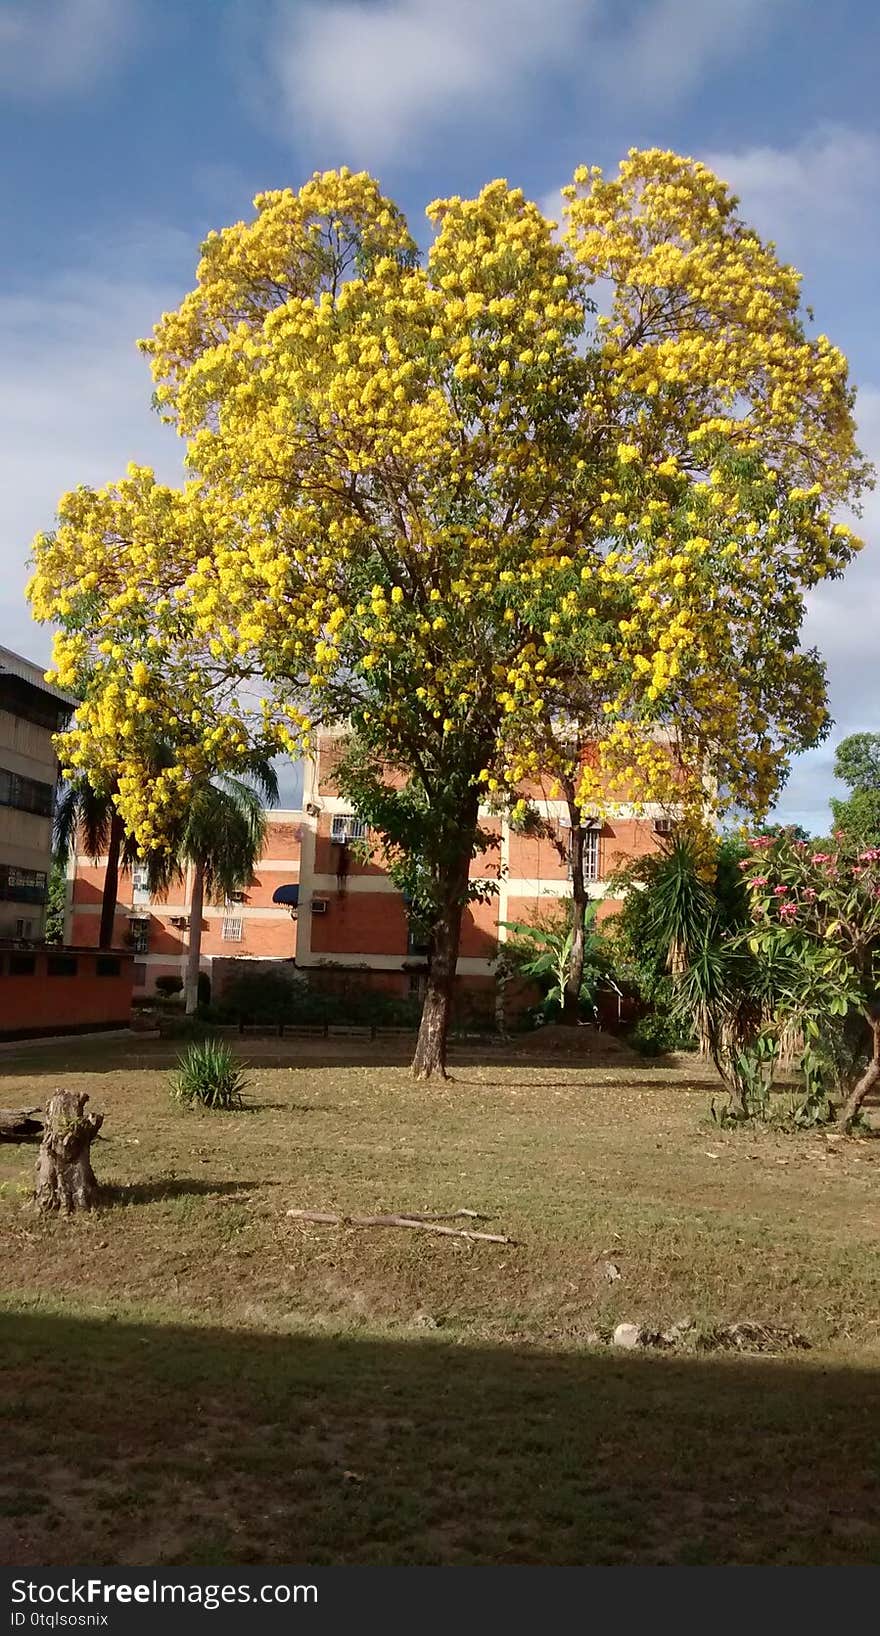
(288, 895)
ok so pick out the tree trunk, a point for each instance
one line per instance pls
(65, 1180)
(194, 948)
(571, 994)
(430, 1053)
(869, 1079)
(111, 882)
(502, 983)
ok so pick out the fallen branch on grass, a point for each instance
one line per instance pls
(425, 1224)
(20, 1124)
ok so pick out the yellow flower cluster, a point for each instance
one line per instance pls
(440, 497)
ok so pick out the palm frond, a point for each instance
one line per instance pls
(82, 814)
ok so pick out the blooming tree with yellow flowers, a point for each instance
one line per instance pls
(429, 490)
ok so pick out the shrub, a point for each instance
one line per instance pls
(177, 1026)
(658, 1033)
(272, 997)
(260, 997)
(210, 1075)
(168, 985)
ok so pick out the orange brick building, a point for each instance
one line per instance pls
(314, 901)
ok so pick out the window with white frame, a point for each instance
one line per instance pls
(347, 826)
(232, 928)
(140, 884)
(591, 852)
(591, 833)
(139, 933)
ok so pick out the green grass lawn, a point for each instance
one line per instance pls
(189, 1377)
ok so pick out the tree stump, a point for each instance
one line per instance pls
(65, 1179)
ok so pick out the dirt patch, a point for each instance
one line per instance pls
(587, 1044)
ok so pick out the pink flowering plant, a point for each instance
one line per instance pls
(819, 905)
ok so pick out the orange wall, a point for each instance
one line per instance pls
(39, 1003)
(360, 923)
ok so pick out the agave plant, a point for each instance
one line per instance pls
(681, 907)
(208, 1074)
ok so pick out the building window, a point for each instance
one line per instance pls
(24, 928)
(140, 884)
(27, 794)
(139, 974)
(22, 885)
(591, 853)
(139, 935)
(108, 965)
(22, 965)
(417, 943)
(23, 699)
(591, 834)
(346, 826)
(232, 928)
(61, 965)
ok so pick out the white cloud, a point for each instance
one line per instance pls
(668, 47)
(75, 395)
(377, 81)
(817, 196)
(48, 47)
(841, 623)
(842, 616)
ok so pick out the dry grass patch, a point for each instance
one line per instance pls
(241, 1363)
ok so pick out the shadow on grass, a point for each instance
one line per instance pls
(642, 1082)
(172, 1187)
(209, 1446)
(135, 1054)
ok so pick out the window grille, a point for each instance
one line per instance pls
(346, 826)
(591, 836)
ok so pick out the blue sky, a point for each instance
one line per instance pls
(133, 126)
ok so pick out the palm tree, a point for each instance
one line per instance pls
(221, 835)
(87, 815)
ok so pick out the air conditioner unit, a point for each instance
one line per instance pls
(319, 906)
(179, 920)
(236, 897)
(664, 826)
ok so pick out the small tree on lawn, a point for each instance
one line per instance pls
(823, 908)
(427, 492)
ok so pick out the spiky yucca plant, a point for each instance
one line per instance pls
(208, 1074)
